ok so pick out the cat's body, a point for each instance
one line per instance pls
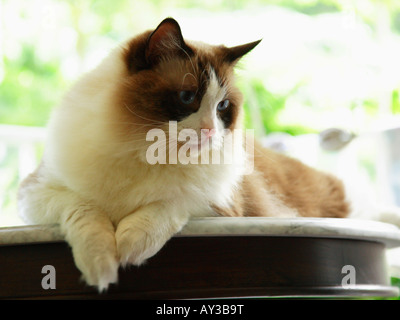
(112, 205)
(283, 186)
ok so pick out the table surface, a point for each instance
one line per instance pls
(241, 226)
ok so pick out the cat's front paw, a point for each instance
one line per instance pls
(99, 269)
(135, 245)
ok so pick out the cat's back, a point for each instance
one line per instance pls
(309, 191)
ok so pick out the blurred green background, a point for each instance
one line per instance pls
(321, 63)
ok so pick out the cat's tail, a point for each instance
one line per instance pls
(389, 214)
(375, 212)
(364, 205)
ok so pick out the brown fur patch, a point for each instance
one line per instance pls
(312, 193)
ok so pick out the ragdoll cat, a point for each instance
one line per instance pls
(114, 204)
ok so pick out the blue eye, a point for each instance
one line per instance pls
(223, 105)
(187, 97)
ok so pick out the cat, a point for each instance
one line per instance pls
(113, 206)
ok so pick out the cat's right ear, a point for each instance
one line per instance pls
(233, 54)
(165, 42)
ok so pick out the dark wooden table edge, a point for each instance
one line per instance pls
(379, 288)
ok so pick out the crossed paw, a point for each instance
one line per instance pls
(99, 262)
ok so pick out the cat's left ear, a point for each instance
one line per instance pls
(233, 54)
(165, 41)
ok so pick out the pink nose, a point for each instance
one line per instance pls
(209, 132)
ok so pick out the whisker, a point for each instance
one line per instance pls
(188, 74)
(189, 57)
(144, 118)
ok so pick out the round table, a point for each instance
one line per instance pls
(221, 257)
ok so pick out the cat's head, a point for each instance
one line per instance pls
(170, 80)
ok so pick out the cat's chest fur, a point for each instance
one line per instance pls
(122, 186)
(193, 189)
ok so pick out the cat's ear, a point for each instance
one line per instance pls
(165, 41)
(233, 54)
